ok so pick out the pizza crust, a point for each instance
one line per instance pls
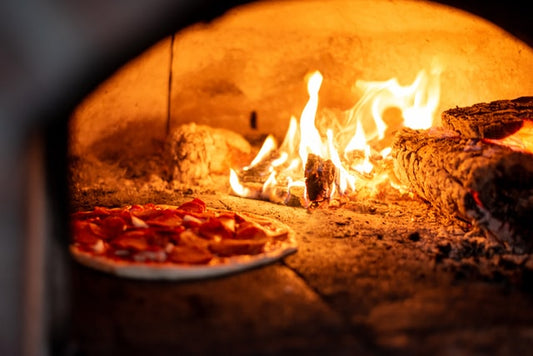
(170, 271)
(217, 267)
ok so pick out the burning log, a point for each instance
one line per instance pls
(320, 176)
(488, 185)
(494, 120)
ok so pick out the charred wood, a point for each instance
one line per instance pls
(320, 175)
(488, 185)
(494, 120)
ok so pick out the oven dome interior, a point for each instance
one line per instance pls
(377, 276)
(255, 58)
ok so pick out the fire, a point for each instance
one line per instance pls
(310, 142)
(355, 149)
(521, 140)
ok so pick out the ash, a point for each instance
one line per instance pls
(376, 275)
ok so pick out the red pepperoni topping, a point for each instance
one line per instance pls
(149, 233)
(194, 206)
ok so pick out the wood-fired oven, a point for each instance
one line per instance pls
(95, 119)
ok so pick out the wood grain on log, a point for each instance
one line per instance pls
(494, 120)
(485, 184)
(194, 152)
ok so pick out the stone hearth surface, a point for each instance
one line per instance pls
(376, 277)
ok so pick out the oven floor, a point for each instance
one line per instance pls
(379, 277)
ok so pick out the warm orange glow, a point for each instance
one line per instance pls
(311, 141)
(353, 148)
(268, 146)
(521, 140)
(237, 187)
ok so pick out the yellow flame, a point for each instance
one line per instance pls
(290, 142)
(310, 138)
(418, 103)
(269, 190)
(358, 141)
(364, 126)
(236, 185)
(366, 166)
(268, 146)
(385, 152)
(344, 180)
(280, 160)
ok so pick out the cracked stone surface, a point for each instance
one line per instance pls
(393, 279)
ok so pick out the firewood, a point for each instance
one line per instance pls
(194, 152)
(494, 120)
(320, 177)
(488, 185)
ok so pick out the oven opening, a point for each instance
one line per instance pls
(351, 111)
(393, 139)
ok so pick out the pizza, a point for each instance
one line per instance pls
(189, 241)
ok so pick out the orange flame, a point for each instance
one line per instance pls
(350, 149)
(521, 140)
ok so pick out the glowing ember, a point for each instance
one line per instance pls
(356, 150)
(522, 140)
